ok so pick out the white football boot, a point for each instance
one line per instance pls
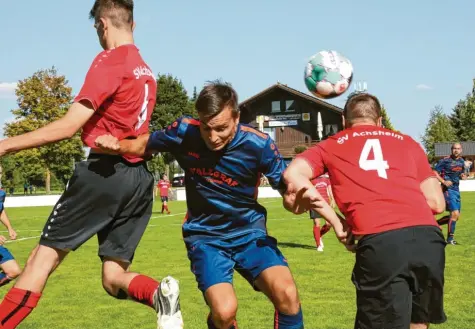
(166, 301)
(320, 247)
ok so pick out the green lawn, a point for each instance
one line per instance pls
(74, 297)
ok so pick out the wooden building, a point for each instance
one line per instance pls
(290, 117)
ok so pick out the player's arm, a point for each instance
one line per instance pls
(429, 180)
(6, 222)
(439, 167)
(330, 196)
(165, 140)
(63, 128)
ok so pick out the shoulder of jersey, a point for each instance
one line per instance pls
(253, 132)
(112, 56)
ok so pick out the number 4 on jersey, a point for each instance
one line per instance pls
(378, 163)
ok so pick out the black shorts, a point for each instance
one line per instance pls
(399, 278)
(164, 198)
(107, 196)
(314, 214)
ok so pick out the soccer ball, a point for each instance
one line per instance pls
(328, 74)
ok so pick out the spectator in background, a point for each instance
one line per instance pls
(25, 188)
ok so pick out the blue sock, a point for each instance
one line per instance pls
(4, 279)
(452, 225)
(284, 321)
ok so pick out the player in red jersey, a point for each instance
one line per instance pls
(107, 195)
(164, 186)
(384, 186)
(323, 186)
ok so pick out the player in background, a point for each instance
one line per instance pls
(449, 171)
(225, 228)
(383, 184)
(323, 186)
(164, 186)
(10, 268)
(107, 195)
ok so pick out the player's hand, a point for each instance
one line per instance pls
(292, 200)
(447, 183)
(350, 244)
(108, 143)
(463, 176)
(2, 240)
(12, 234)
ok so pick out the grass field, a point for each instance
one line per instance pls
(74, 297)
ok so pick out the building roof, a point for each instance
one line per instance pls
(444, 149)
(295, 92)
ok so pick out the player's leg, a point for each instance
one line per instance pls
(223, 304)
(454, 208)
(445, 220)
(427, 271)
(213, 269)
(20, 300)
(165, 204)
(316, 227)
(118, 242)
(10, 268)
(383, 295)
(264, 266)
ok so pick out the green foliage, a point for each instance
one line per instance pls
(172, 102)
(386, 120)
(300, 149)
(437, 130)
(42, 98)
(462, 118)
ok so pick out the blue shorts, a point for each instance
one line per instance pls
(5, 255)
(452, 200)
(214, 261)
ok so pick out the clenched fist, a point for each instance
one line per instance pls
(108, 143)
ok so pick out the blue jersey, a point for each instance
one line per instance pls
(3, 195)
(451, 169)
(221, 186)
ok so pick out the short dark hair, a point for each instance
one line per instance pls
(120, 12)
(214, 97)
(362, 106)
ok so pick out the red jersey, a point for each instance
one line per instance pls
(322, 184)
(163, 185)
(375, 175)
(122, 90)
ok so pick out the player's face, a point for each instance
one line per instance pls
(456, 150)
(165, 177)
(218, 131)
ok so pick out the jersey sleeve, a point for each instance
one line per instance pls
(102, 80)
(3, 194)
(423, 168)
(169, 139)
(314, 158)
(272, 165)
(439, 167)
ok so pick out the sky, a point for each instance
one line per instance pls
(413, 55)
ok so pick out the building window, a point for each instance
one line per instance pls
(289, 107)
(270, 131)
(331, 130)
(276, 107)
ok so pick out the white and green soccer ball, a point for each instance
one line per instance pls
(328, 74)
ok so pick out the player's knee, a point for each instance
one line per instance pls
(287, 300)
(13, 271)
(225, 313)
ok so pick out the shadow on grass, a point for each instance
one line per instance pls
(295, 245)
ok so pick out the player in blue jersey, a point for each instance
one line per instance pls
(449, 171)
(8, 265)
(225, 229)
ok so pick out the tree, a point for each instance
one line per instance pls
(437, 130)
(386, 121)
(172, 103)
(462, 118)
(42, 98)
(195, 95)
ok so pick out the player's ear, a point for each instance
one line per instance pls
(343, 121)
(379, 122)
(133, 26)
